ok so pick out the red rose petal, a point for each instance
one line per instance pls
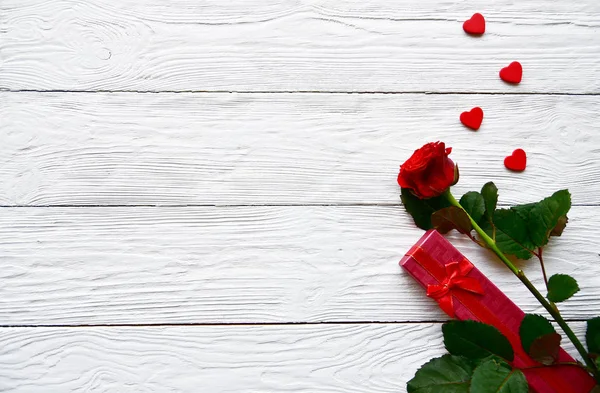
(428, 172)
(517, 161)
(473, 118)
(513, 73)
(475, 25)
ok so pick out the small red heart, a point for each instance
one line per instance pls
(516, 161)
(475, 25)
(473, 118)
(513, 73)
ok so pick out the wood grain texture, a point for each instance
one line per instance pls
(70, 266)
(211, 265)
(218, 12)
(289, 358)
(296, 45)
(219, 149)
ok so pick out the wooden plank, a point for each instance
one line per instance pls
(161, 149)
(252, 11)
(138, 265)
(290, 358)
(296, 46)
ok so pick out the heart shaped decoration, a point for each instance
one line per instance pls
(473, 118)
(513, 73)
(475, 25)
(517, 161)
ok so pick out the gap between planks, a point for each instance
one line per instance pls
(349, 204)
(191, 324)
(365, 92)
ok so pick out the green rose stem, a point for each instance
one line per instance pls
(491, 244)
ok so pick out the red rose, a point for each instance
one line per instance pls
(428, 172)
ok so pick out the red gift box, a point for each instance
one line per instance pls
(463, 292)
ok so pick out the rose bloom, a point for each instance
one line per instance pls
(428, 172)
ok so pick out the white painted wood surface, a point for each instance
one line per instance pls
(291, 358)
(217, 149)
(193, 240)
(245, 264)
(297, 45)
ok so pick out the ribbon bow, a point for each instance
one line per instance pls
(456, 278)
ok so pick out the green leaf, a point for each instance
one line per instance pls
(489, 192)
(511, 233)
(449, 218)
(524, 210)
(545, 349)
(448, 374)
(592, 335)
(534, 326)
(546, 215)
(539, 339)
(422, 209)
(496, 376)
(560, 226)
(475, 340)
(474, 205)
(561, 287)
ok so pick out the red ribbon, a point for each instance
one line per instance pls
(456, 279)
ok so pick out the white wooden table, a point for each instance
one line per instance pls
(200, 196)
